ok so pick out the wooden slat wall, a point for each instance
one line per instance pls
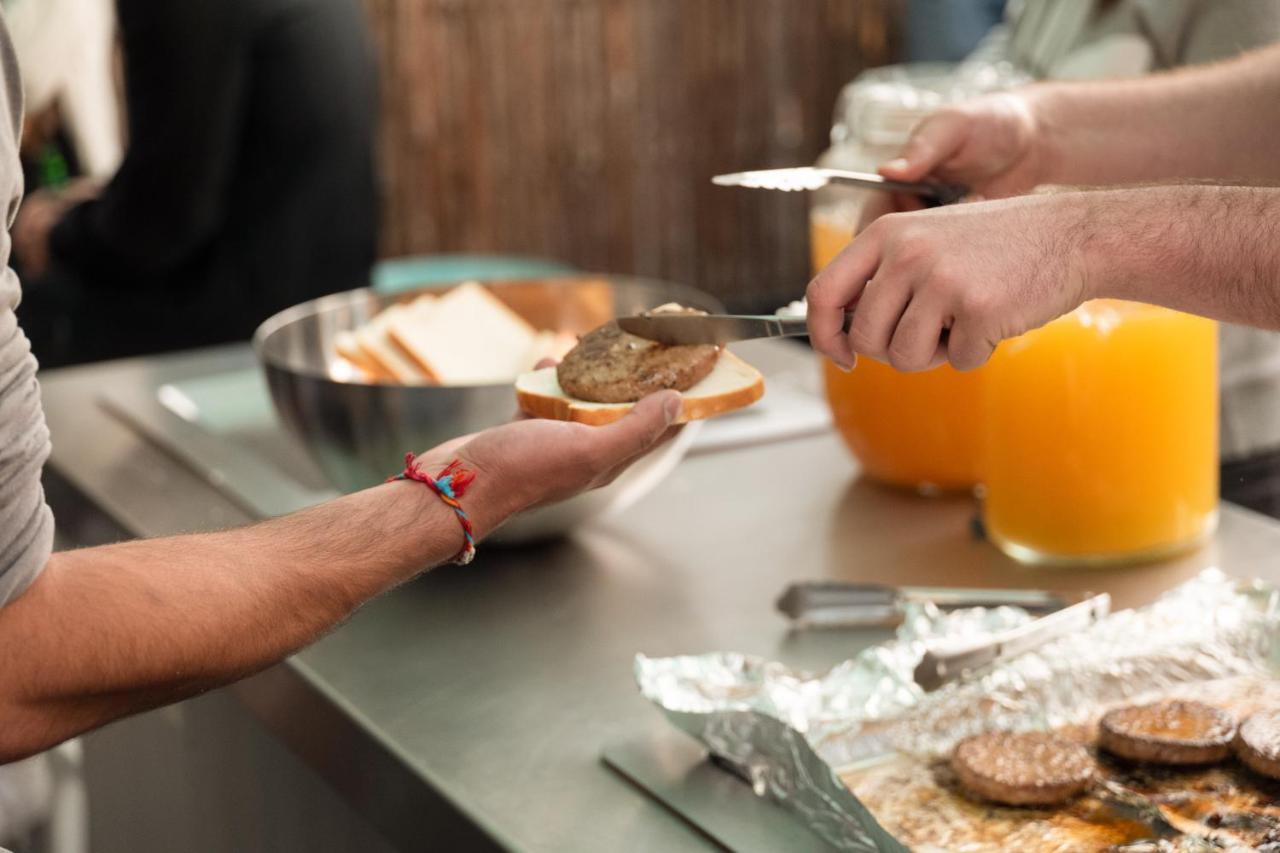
(586, 130)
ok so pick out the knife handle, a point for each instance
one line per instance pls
(937, 195)
(798, 327)
(932, 193)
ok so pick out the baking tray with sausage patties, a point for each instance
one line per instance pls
(1153, 729)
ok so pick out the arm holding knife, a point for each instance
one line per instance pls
(988, 271)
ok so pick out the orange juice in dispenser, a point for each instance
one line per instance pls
(1101, 436)
(919, 430)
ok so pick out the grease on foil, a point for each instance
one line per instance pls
(790, 732)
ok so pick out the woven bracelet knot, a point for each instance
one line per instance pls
(449, 485)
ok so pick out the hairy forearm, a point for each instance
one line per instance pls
(1208, 250)
(106, 632)
(1214, 122)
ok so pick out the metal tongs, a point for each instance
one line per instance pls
(846, 605)
(836, 604)
(948, 660)
(809, 178)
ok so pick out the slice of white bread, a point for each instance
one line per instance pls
(382, 350)
(732, 384)
(470, 337)
(355, 363)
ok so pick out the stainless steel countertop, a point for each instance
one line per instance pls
(478, 699)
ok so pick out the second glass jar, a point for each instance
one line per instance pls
(918, 430)
(1101, 436)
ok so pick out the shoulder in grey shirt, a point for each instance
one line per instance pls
(26, 525)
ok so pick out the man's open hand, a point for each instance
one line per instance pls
(532, 462)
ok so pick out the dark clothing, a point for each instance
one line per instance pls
(1253, 482)
(248, 184)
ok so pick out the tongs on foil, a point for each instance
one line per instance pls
(846, 605)
(948, 660)
(835, 604)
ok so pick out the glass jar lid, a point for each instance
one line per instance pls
(883, 105)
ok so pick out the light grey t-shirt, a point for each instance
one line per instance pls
(26, 525)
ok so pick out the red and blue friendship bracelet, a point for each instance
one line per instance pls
(450, 484)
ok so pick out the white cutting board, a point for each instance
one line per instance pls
(786, 411)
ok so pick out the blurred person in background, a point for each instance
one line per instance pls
(247, 185)
(1110, 39)
(1095, 39)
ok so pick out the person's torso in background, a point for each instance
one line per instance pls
(293, 214)
(302, 204)
(1099, 39)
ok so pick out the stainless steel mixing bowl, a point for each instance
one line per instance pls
(358, 432)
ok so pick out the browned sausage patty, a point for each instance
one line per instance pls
(1258, 743)
(611, 366)
(1024, 769)
(1173, 732)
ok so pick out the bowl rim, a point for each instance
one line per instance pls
(334, 301)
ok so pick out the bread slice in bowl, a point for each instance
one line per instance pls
(382, 351)
(470, 337)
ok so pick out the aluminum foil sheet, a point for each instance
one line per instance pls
(790, 733)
